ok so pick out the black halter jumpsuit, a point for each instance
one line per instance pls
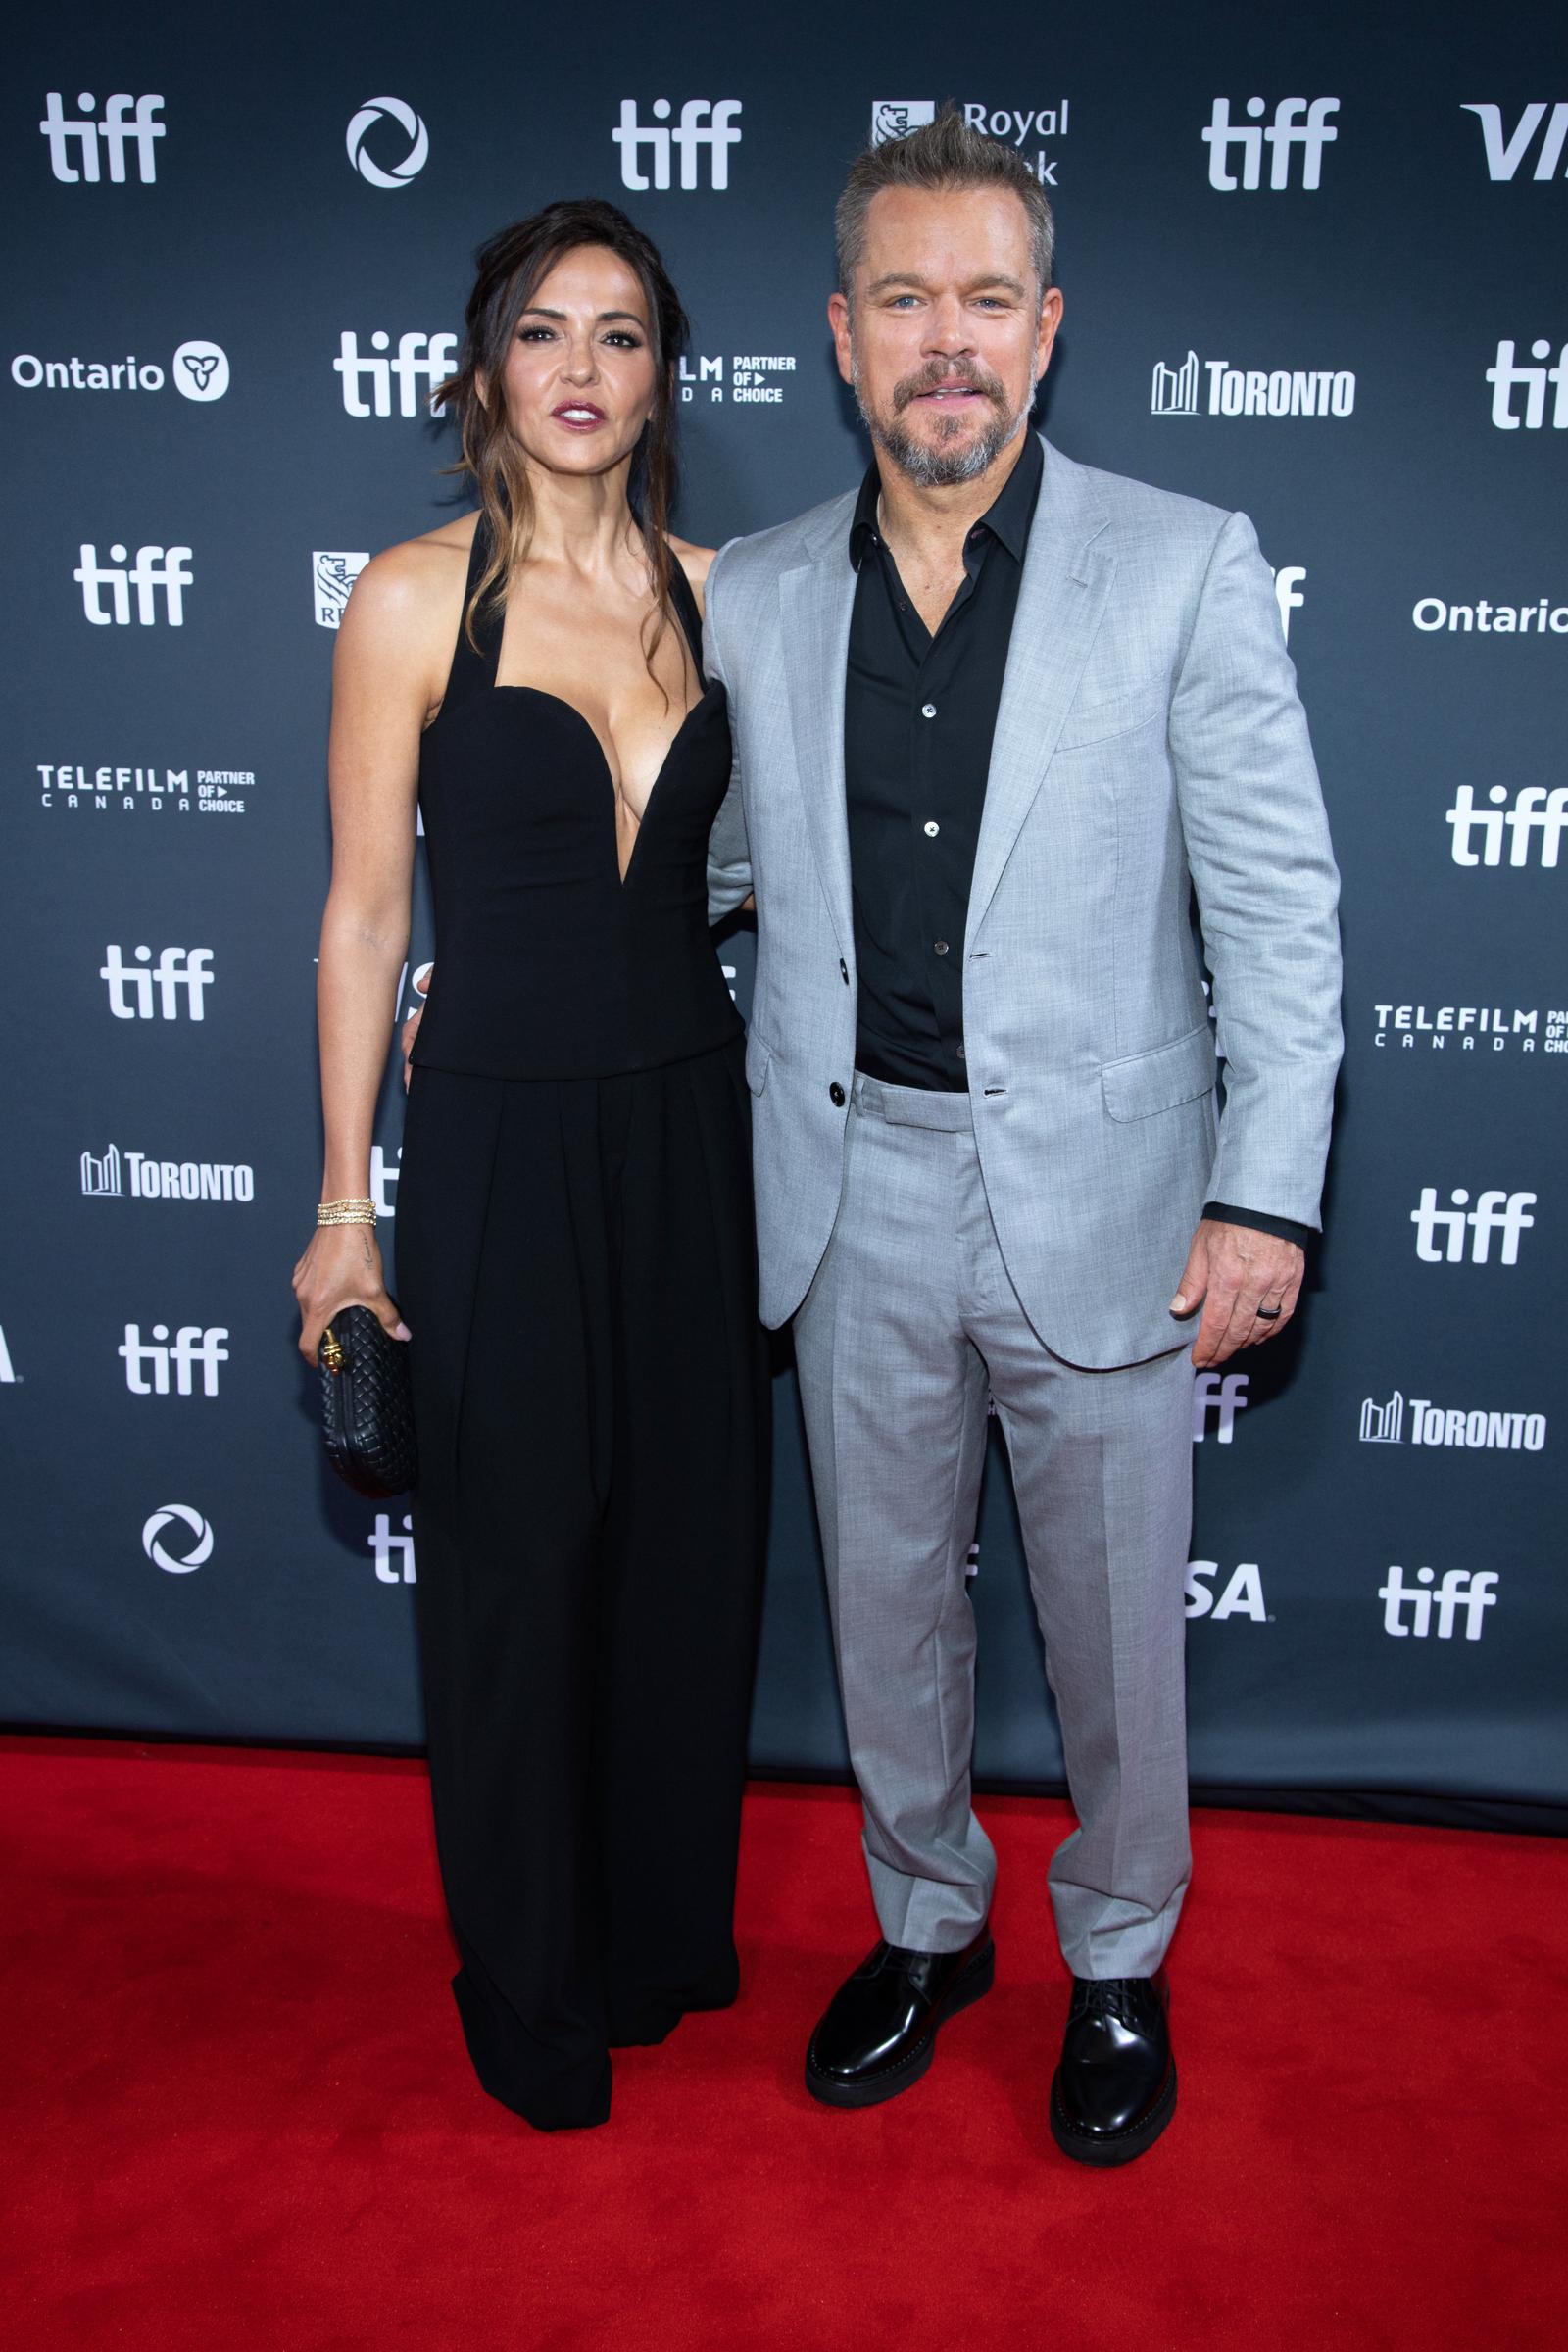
(575, 1260)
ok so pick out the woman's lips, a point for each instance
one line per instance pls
(578, 415)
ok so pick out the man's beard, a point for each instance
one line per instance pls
(940, 469)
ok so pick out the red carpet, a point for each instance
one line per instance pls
(238, 2112)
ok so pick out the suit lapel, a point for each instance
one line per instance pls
(818, 598)
(1068, 574)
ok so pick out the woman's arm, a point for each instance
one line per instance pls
(381, 695)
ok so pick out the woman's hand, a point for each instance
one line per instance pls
(341, 1267)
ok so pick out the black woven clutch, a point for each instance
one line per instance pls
(366, 1406)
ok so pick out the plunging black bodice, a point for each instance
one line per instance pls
(548, 965)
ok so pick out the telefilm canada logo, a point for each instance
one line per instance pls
(199, 370)
(386, 169)
(1506, 150)
(1388, 1421)
(1298, 127)
(1470, 1028)
(704, 127)
(115, 1175)
(144, 788)
(1230, 391)
(1015, 125)
(83, 148)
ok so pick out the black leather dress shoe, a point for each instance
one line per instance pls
(1115, 2088)
(879, 2033)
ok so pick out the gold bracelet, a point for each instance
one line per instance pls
(345, 1212)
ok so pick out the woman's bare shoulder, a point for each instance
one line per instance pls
(409, 591)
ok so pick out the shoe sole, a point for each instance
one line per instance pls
(973, 1986)
(1103, 2148)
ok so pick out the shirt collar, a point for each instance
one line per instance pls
(1008, 517)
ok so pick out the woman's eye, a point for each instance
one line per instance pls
(627, 342)
(533, 335)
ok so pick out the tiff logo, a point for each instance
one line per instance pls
(128, 123)
(1504, 156)
(1470, 1590)
(1283, 134)
(1382, 1424)
(1493, 1212)
(691, 135)
(155, 570)
(1505, 379)
(384, 1544)
(191, 1346)
(130, 991)
(1535, 809)
(427, 359)
(1222, 1394)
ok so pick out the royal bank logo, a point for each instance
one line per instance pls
(115, 1175)
(141, 989)
(393, 1553)
(387, 173)
(334, 572)
(1299, 126)
(188, 1543)
(1464, 1592)
(1507, 376)
(163, 1366)
(1222, 1394)
(1010, 126)
(1468, 1232)
(1532, 817)
(1183, 391)
(1506, 150)
(1471, 1428)
(707, 126)
(159, 578)
(1241, 1596)
(420, 365)
(80, 145)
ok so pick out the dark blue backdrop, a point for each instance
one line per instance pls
(1314, 268)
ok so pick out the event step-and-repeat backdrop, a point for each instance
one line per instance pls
(1314, 268)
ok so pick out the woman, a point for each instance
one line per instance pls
(574, 1241)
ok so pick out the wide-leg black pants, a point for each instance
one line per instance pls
(575, 1260)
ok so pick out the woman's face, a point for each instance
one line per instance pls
(579, 381)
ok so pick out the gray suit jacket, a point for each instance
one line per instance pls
(1149, 740)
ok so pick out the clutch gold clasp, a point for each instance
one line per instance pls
(331, 1351)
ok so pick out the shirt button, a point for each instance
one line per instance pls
(835, 1095)
(940, 946)
(932, 828)
(928, 709)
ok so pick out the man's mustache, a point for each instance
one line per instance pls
(939, 373)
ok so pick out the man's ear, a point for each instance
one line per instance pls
(840, 320)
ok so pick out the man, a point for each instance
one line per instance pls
(995, 715)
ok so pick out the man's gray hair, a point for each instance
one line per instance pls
(940, 155)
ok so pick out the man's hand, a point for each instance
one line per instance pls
(1231, 1271)
(410, 1028)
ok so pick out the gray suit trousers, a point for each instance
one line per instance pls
(910, 1319)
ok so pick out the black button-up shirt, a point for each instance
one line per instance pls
(919, 713)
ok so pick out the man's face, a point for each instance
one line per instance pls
(948, 334)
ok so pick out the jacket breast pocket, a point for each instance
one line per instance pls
(1147, 1083)
(1117, 714)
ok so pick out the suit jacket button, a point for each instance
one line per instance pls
(835, 1095)
(844, 971)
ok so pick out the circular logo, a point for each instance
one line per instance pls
(201, 371)
(200, 1550)
(370, 114)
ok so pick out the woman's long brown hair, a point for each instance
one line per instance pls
(511, 269)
